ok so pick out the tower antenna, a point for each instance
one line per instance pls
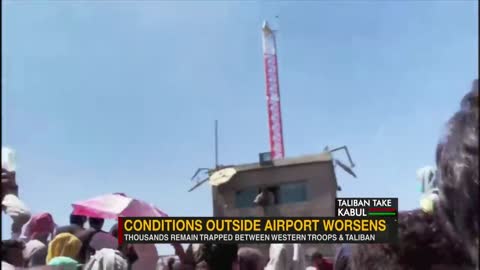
(216, 144)
(273, 92)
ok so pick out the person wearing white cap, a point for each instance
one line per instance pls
(17, 211)
(11, 204)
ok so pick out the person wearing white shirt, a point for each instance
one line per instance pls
(12, 205)
(286, 257)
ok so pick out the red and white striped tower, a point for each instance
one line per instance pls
(273, 93)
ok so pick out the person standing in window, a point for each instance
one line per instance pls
(265, 198)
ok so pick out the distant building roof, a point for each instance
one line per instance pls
(306, 159)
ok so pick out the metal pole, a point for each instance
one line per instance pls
(216, 144)
(347, 152)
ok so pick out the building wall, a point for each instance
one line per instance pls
(321, 193)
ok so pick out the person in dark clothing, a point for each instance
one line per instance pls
(457, 163)
(218, 256)
(251, 259)
(423, 243)
(86, 251)
(12, 252)
(342, 260)
(78, 220)
(170, 263)
(446, 237)
(38, 258)
(129, 252)
(114, 230)
(264, 198)
(96, 223)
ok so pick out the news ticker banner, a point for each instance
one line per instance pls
(357, 220)
(372, 208)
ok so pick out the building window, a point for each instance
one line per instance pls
(292, 192)
(283, 194)
(244, 198)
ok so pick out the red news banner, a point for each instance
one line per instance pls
(365, 220)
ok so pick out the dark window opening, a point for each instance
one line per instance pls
(292, 193)
(245, 198)
(274, 193)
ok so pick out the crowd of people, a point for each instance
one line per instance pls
(444, 238)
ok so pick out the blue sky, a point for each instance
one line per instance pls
(113, 96)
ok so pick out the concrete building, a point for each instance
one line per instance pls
(301, 186)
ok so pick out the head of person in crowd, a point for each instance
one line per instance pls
(423, 243)
(64, 263)
(36, 258)
(457, 162)
(251, 259)
(12, 252)
(448, 235)
(64, 245)
(219, 256)
(342, 258)
(114, 230)
(286, 256)
(85, 236)
(147, 256)
(320, 262)
(78, 220)
(317, 259)
(170, 263)
(129, 253)
(280, 257)
(107, 259)
(40, 227)
(32, 247)
(96, 223)
(101, 240)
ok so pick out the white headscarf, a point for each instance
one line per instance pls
(14, 207)
(16, 210)
(286, 257)
(107, 259)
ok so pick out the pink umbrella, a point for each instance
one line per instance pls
(111, 206)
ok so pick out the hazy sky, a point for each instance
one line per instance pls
(121, 96)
